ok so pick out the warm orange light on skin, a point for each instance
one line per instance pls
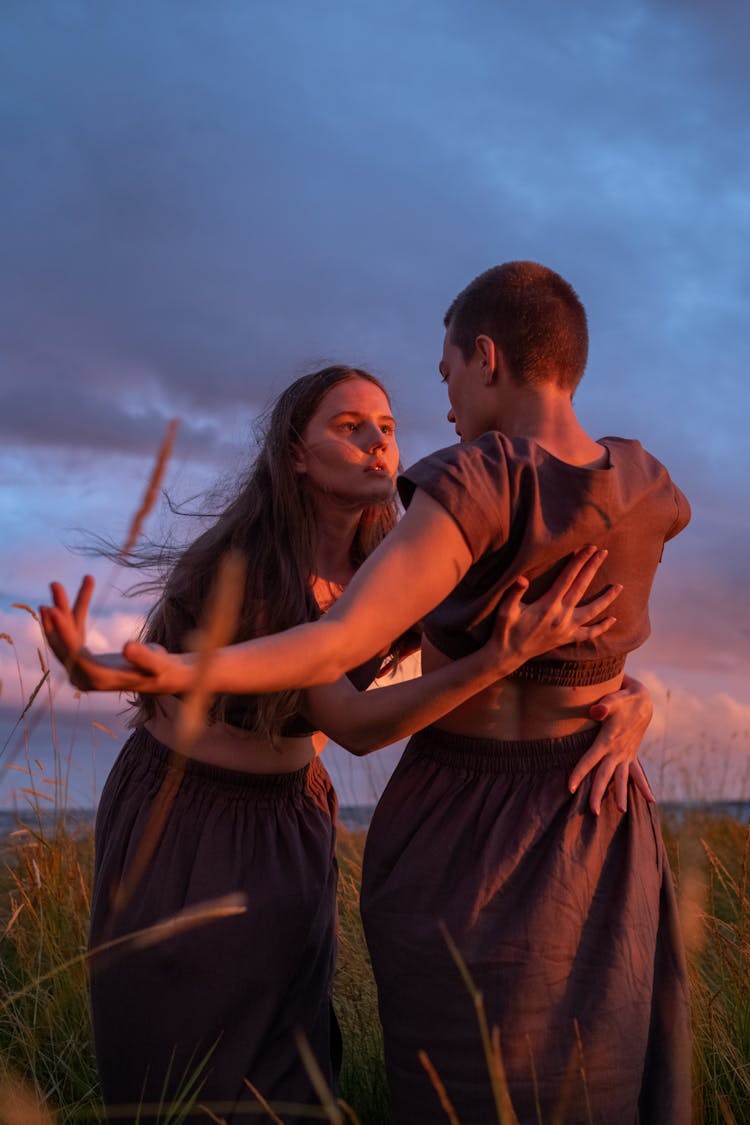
(470, 386)
(348, 448)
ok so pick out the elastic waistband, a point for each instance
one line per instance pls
(495, 756)
(570, 673)
(154, 755)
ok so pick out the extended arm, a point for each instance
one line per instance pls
(527, 630)
(419, 563)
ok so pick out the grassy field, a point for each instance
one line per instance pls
(46, 1060)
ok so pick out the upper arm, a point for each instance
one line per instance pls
(327, 705)
(422, 560)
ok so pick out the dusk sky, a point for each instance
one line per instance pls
(202, 201)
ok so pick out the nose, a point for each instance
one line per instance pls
(374, 438)
(452, 416)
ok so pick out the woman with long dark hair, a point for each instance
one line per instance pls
(251, 809)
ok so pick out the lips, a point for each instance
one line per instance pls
(377, 467)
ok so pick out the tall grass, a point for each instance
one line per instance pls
(45, 1034)
(45, 1030)
(711, 860)
(363, 1082)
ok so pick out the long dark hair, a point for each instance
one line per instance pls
(272, 525)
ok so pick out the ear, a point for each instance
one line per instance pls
(489, 353)
(299, 460)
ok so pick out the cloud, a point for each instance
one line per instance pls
(698, 747)
(200, 205)
(24, 657)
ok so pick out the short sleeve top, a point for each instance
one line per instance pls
(522, 512)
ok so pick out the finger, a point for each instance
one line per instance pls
(590, 610)
(589, 632)
(639, 779)
(631, 710)
(62, 625)
(599, 785)
(50, 633)
(576, 575)
(584, 573)
(146, 658)
(611, 702)
(588, 761)
(622, 774)
(59, 597)
(511, 599)
(83, 599)
(600, 710)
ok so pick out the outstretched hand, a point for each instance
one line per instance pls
(137, 669)
(624, 715)
(65, 628)
(524, 630)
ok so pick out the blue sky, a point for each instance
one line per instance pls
(202, 201)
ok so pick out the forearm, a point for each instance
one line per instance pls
(376, 718)
(318, 652)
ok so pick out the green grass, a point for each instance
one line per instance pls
(45, 1033)
(45, 1030)
(710, 858)
(363, 1084)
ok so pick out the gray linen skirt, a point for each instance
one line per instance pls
(567, 923)
(234, 989)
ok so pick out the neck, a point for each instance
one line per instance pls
(547, 416)
(337, 526)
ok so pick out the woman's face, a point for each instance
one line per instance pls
(348, 448)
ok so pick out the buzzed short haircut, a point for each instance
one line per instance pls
(532, 314)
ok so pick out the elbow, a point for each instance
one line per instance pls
(360, 744)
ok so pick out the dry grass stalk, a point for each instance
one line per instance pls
(726, 1112)
(217, 629)
(122, 892)
(152, 488)
(27, 608)
(35, 719)
(25, 710)
(491, 1043)
(103, 728)
(213, 1116)
(320, 1086)
(439, 1088)
(262, 1101)
(582, 1071)
(534, 1081)
(226, 906)
(692, 902)
(198, 915)
(348, 1112)
(560, 1112)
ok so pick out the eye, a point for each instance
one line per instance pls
(348, 427)
(443, 375)
(388, 428)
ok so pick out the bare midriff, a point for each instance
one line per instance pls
(513, 710)
(231, 748)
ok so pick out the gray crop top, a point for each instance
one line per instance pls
(522, 512)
